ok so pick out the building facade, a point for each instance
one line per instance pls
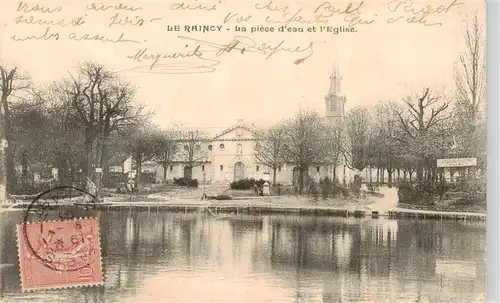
(229, 156)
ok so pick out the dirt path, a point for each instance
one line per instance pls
(387, 202)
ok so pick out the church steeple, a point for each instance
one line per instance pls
(335, 101)
(335, 81)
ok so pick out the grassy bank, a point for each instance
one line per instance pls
(243, 202)
(351, 202)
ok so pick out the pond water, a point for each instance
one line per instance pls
(169, 257)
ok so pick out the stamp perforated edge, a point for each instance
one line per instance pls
(18, 232)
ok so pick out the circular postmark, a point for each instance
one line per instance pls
(52, 233)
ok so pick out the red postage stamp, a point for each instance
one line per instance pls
(58, 254)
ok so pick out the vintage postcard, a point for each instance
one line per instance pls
(243, 151)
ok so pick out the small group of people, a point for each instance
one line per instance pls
(127, 188)
(264, 190)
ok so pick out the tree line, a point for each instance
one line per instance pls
(403, 138)
(91, 117)
(82, 122)
(409, 136)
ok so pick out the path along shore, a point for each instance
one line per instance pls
(383, 207)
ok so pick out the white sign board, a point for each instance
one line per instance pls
(457, 162)
(98, 169)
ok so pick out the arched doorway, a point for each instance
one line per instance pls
(187, 172)
(239, 171)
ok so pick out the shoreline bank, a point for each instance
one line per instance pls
(269, 208)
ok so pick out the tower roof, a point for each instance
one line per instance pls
(335, 81)
(335, 101)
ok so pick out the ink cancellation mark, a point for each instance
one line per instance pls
(56, 203)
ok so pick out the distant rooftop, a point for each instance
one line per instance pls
(213, 131)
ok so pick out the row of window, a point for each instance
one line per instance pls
(210, 147)
(221, 146)
(203, 168)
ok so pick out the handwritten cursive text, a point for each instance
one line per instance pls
(191, 61)
(202, 56)
(117, 7)
(244, 45)
(32, 20)
(27, 8)
(193, 6)
(412, 13)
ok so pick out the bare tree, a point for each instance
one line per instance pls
(11, 81)
(470, 88)
(103, 104)
(335, 146)
(470, 74)
(305, 142)
(66, 136)
(43, 130)
(269, 149)
(166, 148)
(357, 130)
(141, 145)
(424, 113)
(385, 149)
(191, 150)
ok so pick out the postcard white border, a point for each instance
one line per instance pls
(493, 191)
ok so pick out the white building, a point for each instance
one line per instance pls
(229, 155)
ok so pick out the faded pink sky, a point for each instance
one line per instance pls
(378, 62)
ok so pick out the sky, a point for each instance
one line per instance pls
(379, 61)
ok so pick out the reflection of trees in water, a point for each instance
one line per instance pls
(245, 232)
(138, 243)
(451, 235)
(377, 250)
(410, 250)
(416, 251)
(8, 253)
(421, 243)
(186, 227)
(313, 247)
(9, 279)
(337, 253)
(317, 248)
(244, 226)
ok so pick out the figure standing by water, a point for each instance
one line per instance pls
(265, 189)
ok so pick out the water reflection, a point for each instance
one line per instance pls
(159, 257)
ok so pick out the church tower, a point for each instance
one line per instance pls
(335, 101)
(335, 112)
